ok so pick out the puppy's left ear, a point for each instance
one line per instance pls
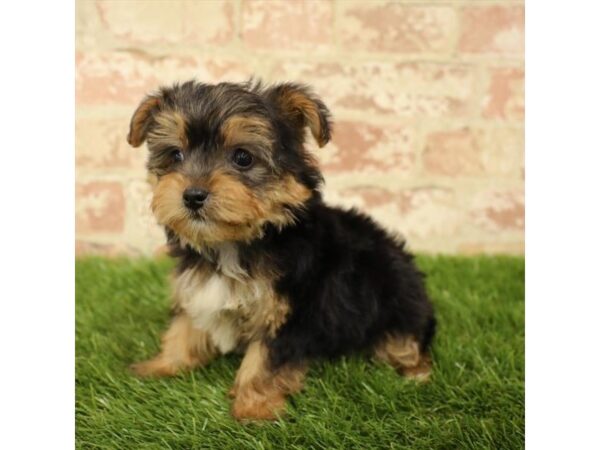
(141, 120)
(301, 107)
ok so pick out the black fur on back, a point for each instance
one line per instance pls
(349, 283)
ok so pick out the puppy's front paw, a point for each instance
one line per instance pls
(258, 409)
(232, 392)
(156, 367)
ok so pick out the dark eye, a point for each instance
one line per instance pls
(177, 155)
(242, 158)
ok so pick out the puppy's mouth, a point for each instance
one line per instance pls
(203, 219)
(196, 216)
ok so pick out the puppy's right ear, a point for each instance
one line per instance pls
(302, 108)
(142, 120)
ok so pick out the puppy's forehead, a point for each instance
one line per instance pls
(212, 110)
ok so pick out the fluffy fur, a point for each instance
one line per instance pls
(264, 266)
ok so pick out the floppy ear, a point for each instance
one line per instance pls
(142, 119)
(304, 109)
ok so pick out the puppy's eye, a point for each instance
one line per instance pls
(242, 159)
(176, 155)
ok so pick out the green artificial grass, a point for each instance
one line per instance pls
(474, 400)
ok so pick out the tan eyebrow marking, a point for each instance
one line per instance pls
(170, 130)
(249, 130)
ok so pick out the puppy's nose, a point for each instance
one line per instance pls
(194, 198)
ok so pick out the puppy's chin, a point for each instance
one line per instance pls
(201, 233)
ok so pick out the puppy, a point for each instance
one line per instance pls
(264, 266)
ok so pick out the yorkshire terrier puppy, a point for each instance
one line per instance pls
(264, 266)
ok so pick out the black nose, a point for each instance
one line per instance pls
(194, 197)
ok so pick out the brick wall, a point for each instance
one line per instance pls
(427, 97)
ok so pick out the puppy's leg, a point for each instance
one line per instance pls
(403, 354)
(259, 391)
(183, 347)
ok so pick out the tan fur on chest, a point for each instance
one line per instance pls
(232, 310)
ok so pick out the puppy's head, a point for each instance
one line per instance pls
(227, 159)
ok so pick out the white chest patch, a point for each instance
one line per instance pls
(211, 306)
(227, 304)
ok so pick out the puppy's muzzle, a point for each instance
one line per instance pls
(194, 198)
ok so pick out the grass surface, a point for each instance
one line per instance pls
(475, 399)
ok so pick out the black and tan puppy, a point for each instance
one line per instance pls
(264, 266)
